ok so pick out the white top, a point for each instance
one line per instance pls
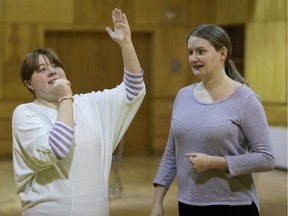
(78, 184)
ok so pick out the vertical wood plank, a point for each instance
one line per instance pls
(265, 58)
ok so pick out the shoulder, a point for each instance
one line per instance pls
(186, 90)
(249, 100)
(184, 94)
(31, 110)
(246, 93)
(22, 108)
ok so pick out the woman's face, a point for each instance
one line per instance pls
(203, 57)
(43, 78)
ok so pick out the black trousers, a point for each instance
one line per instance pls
(218, 210)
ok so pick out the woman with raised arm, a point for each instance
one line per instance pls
(63, 143)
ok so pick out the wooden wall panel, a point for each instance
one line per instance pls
(96, 64)
(6, 110)
(1, 62)
(265, 58)
(19, 39)
(5, 129)
(161, 117)
(1, 46)
(221, 12)
(35, 11)
(171, 61)
(155, 13)
(99, 12)
(159, 144)
(7, 107)
(23, 24)
(6, 149)
(267, 10)
(276, 114)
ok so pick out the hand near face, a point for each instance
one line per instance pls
(62, 87)
(121, 33)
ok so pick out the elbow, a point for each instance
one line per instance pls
(270, 163)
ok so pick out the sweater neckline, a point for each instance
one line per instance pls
(215, 102)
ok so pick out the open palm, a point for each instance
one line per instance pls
(121, 31)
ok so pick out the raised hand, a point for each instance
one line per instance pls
(121, 33)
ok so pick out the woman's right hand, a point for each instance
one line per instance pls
(62, 88)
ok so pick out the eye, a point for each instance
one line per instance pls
(201, 51)
(54, 65)
(41, 69)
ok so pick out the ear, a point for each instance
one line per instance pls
(28, 85)
(223, 53)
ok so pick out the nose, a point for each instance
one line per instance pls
(52, 70)
(194, 57)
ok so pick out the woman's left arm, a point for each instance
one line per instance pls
(122, 36)
(255, 128)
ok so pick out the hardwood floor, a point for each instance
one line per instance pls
(137, 174)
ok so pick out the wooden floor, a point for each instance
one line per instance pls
(137, 174)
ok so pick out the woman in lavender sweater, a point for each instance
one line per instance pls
(219, 135)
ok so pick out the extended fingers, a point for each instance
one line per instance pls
(117, 16)
(192, 154)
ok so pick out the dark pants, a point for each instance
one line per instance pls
(218, 210)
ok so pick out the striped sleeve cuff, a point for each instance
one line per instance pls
(134, 83)
(60, 139)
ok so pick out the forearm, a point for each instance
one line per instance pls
(202, 162)
(159, 194)
(218, 162)
(130, 59)
(65, 112)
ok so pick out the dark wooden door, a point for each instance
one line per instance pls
(92, 61)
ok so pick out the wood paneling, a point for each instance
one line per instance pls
(92, 62)
(38, 12)
(24, 23)
(227, 12)
(99, 12)
(171, 61)
(265, 60)
(159, 13)
(276, 114)
(1, 46)
(19, 40)
(6, 110)
(267, 10)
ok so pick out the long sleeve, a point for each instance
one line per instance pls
(134, 84)
(60, 139)
(167, 169)
(256, 131)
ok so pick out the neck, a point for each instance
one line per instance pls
(45, 103)
(215, 81)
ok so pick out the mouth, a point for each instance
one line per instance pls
(197, 67)
(52, 81)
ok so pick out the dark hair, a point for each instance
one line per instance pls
(218, 38)
(31, 62)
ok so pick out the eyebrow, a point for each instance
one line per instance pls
(40, 65)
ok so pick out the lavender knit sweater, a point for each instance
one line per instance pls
(236, 128)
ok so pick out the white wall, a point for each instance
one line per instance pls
(279, 142)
